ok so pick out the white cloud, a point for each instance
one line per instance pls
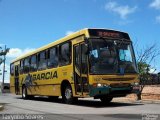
(153, 71)
(124, 22)
(16, 52)
(123, 11)
(155, 4)
(158, 19)
(69, 32)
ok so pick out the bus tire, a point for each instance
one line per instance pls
(67, 95)
(24, 93)
(30, 96)
(106, 100)
(53, 98)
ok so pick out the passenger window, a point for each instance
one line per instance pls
(52, 58)
(77, 57)
(42, 61)
(33, 66)
(84, 59)
(26, 65)
(12, 69)
(64, 54)
(21, 66)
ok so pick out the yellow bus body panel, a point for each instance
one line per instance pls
(52, 85)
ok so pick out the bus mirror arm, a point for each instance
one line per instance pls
(86, 49)
(86, 46)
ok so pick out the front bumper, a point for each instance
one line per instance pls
(110, 91)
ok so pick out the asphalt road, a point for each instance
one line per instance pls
(84, 109)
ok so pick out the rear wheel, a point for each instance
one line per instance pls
(106, 100)
(24, 92)
(67, 95)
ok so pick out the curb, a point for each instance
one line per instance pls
(1, 107)
(149, 101)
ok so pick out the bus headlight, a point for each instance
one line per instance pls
(135, 84)
(99, 85)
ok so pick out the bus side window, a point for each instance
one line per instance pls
(33, 66)
(77, 57)
(52, 57)
(42, 61)
(26, 65)
(65, 54)
(12, 69)
(21, 66)
(84, 60)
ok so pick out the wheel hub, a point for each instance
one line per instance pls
(68, 93)
(24, 91)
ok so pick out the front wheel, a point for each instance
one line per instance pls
(67, 95)
(106, 100)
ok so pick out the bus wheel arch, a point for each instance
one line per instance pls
(66, 92)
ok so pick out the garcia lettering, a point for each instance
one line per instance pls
(44, 76)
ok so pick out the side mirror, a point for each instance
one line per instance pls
(86, 48)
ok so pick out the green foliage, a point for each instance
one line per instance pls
(143, 68)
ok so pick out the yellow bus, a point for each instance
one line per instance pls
(98, 63)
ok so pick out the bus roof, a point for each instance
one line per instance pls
(84, 31)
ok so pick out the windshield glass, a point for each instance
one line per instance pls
(111, 56)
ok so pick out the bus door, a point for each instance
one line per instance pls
(16, 79)
(80, 70)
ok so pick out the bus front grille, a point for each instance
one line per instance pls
(119, 79)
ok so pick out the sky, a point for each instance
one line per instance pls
(29, 24)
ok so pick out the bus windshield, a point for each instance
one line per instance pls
(111, 57)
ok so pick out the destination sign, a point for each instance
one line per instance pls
(107, 33)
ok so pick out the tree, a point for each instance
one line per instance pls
(145, 58)
(1, 61)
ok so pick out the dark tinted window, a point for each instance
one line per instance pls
(84, 59)
(33, 66)
(42, 61)
(21, 66)
(12, 69)
(64, 54)
(52, 57)
(81, 58)
(26, 65)
(77, 57)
